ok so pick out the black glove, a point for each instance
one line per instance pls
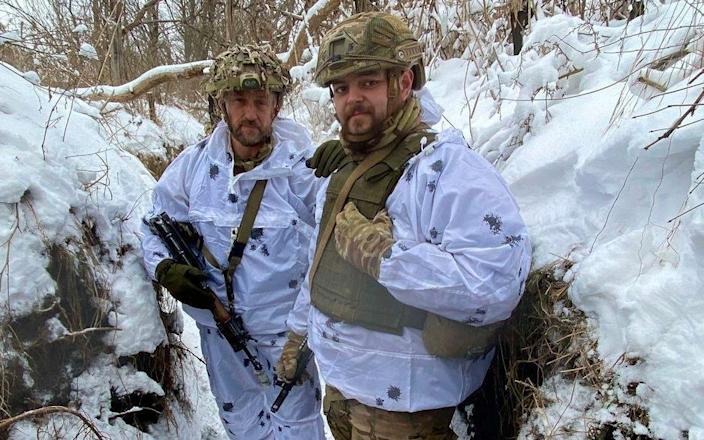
(185, 283)
(327, 158)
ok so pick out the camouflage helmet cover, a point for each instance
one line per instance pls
(247, 68)
(369, 41)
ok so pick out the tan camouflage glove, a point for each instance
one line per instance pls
(361, 242)
(286, 366)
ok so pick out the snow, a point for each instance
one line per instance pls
(590, 192)
(32, 77)
(10, 36)
(88, 51)
(79, 29)
(63, 167)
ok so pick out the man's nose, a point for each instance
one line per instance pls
(354, 93)
(250, 111)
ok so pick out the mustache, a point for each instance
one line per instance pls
(248, 124)
(359, 107)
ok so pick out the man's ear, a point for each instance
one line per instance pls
(405, 83)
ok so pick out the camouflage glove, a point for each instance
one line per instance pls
(286, 366)
(327, 158)
(361, 242)
(185, 283)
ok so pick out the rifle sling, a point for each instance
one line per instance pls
(243, 233)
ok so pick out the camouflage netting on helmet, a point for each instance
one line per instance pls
(247, 68)
(369, 41)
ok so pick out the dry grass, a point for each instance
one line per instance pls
(157, 164)
(547, 336)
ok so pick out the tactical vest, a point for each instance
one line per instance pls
(342, 291)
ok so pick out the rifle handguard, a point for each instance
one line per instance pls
(231, 327)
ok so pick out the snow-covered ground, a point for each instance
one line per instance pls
(567, 122)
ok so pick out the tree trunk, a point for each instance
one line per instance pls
(229, 22)
(117, 73)
(153, 52)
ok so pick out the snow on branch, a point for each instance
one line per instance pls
(311, 21)
(143, 83)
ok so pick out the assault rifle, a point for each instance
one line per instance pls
(302, 359)
(229, 324)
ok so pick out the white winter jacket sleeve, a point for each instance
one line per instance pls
(462, 249)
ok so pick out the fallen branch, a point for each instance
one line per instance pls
(145, 82)
(6, 423)
(678, 122)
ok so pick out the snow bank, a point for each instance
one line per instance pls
(73, 288)
(569, 132)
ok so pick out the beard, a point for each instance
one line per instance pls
(251, 134)
(360, 126)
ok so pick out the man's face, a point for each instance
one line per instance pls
(250, 114)
(360, 101)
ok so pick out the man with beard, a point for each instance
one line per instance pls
(213, 187)
(420, 252)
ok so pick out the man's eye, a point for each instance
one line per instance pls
(371, 83)
(338, 90)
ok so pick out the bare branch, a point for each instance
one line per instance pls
(137, 20)
(7, 423)
(678, 122)
(312, 20)
(145, 82)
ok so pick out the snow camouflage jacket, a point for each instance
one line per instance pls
(199, 187)
(461, 251)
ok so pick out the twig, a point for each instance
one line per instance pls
(132, 410)
(89, 330)
(611, 208)
(697, 76)
(661, 109)
(6, 423)
(689, 210)
(649, 82)
(678, 122)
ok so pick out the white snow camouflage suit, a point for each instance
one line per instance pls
(461, 251)
(199, 187)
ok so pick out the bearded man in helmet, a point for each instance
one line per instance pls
(420, 252)
(211, 186)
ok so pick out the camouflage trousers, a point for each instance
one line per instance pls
(351, 420)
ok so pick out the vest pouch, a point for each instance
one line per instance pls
(447, 338)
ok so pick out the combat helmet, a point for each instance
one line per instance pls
(247, 67)
(369, 41)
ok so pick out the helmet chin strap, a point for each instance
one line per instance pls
(393, 91)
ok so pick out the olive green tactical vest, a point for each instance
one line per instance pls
(342, 291)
